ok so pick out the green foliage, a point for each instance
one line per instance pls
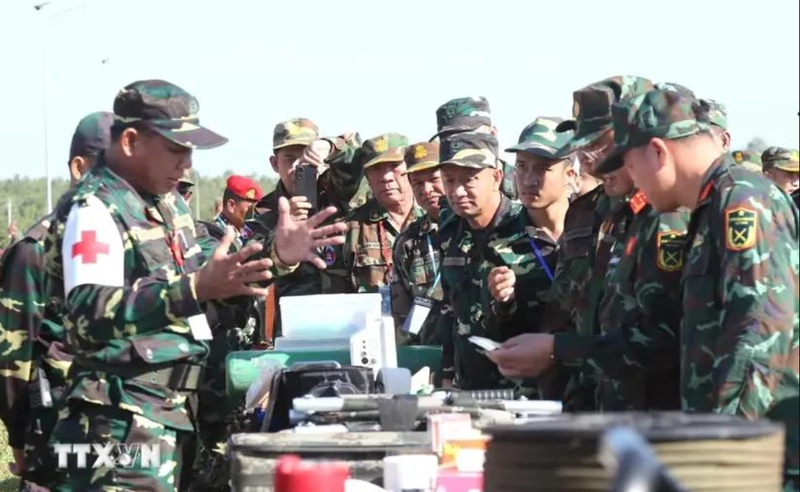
(28, 198)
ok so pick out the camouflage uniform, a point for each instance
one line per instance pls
(127, 262)
(787, 160)
(636, 356)
(468, 255)
(32, 348)
(368, 248)
(739, 335)
(748, 160)
(533, 309)
(416, 259)
(339, 186)
(581, 269)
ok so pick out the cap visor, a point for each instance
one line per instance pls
(566, 126)
(467, 164)
(789, 168)
(577, 143)
(422, 166)
(533, 150)
(611, 163)
(385, 158)
(199, 138)
(304, 143)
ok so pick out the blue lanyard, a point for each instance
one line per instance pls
(538, 254)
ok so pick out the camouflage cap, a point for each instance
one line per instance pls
(465, 114)
(782, 158)
(187, 178)
(166, 109)
(92, 135)
(422, 156)
(663, 114)
(298, 131)
(470, 149)
(591, 109)
(389, 147)
(748, 160)
(540, 138)
(717, 113)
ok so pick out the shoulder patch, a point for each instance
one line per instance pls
(741, 228)
(670, 247)
(92, 251)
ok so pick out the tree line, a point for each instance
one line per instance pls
(24, 200)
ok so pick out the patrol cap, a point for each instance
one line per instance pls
(464, 114)
(781, 158)
(244, 188)
(717, 113)
(166, 109)
(471, 150)
(187, 178)
(92, 135)
(591, 109)
(422, 156)
(540, 138)
(389, 147)
(748, 160)
(297, 131)
(662, 113)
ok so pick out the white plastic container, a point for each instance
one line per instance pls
(327, 315)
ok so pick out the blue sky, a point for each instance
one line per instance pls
(377, 66)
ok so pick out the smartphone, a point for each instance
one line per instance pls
(305, 184)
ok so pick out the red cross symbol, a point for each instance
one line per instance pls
(88, 247)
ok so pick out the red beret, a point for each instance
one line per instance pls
(245, 188)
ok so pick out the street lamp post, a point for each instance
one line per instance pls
(43, 20)
(38, 8)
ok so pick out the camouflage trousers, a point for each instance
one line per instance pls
(86, 423)
(40, 462)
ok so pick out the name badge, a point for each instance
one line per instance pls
(418, 314)
(454, 261)
(200, 328)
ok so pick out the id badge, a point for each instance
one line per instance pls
(200, 328)
(418, 314)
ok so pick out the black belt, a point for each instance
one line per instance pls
(177, 376)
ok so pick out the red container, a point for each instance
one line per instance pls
(295, 475)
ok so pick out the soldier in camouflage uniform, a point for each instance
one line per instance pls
(782, 166)
(416, 278)
(240, 196)
(33, 355)
(374, 227)
(235, 328)
(718, 117)
(520, 291)
(580, 273)
(473, 242)
(339, 180)
(749, 160)
(135, 279)
(185, 185)
(739, 335)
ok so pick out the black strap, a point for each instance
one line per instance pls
(176, 376)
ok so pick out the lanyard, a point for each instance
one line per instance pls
(540, 257)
